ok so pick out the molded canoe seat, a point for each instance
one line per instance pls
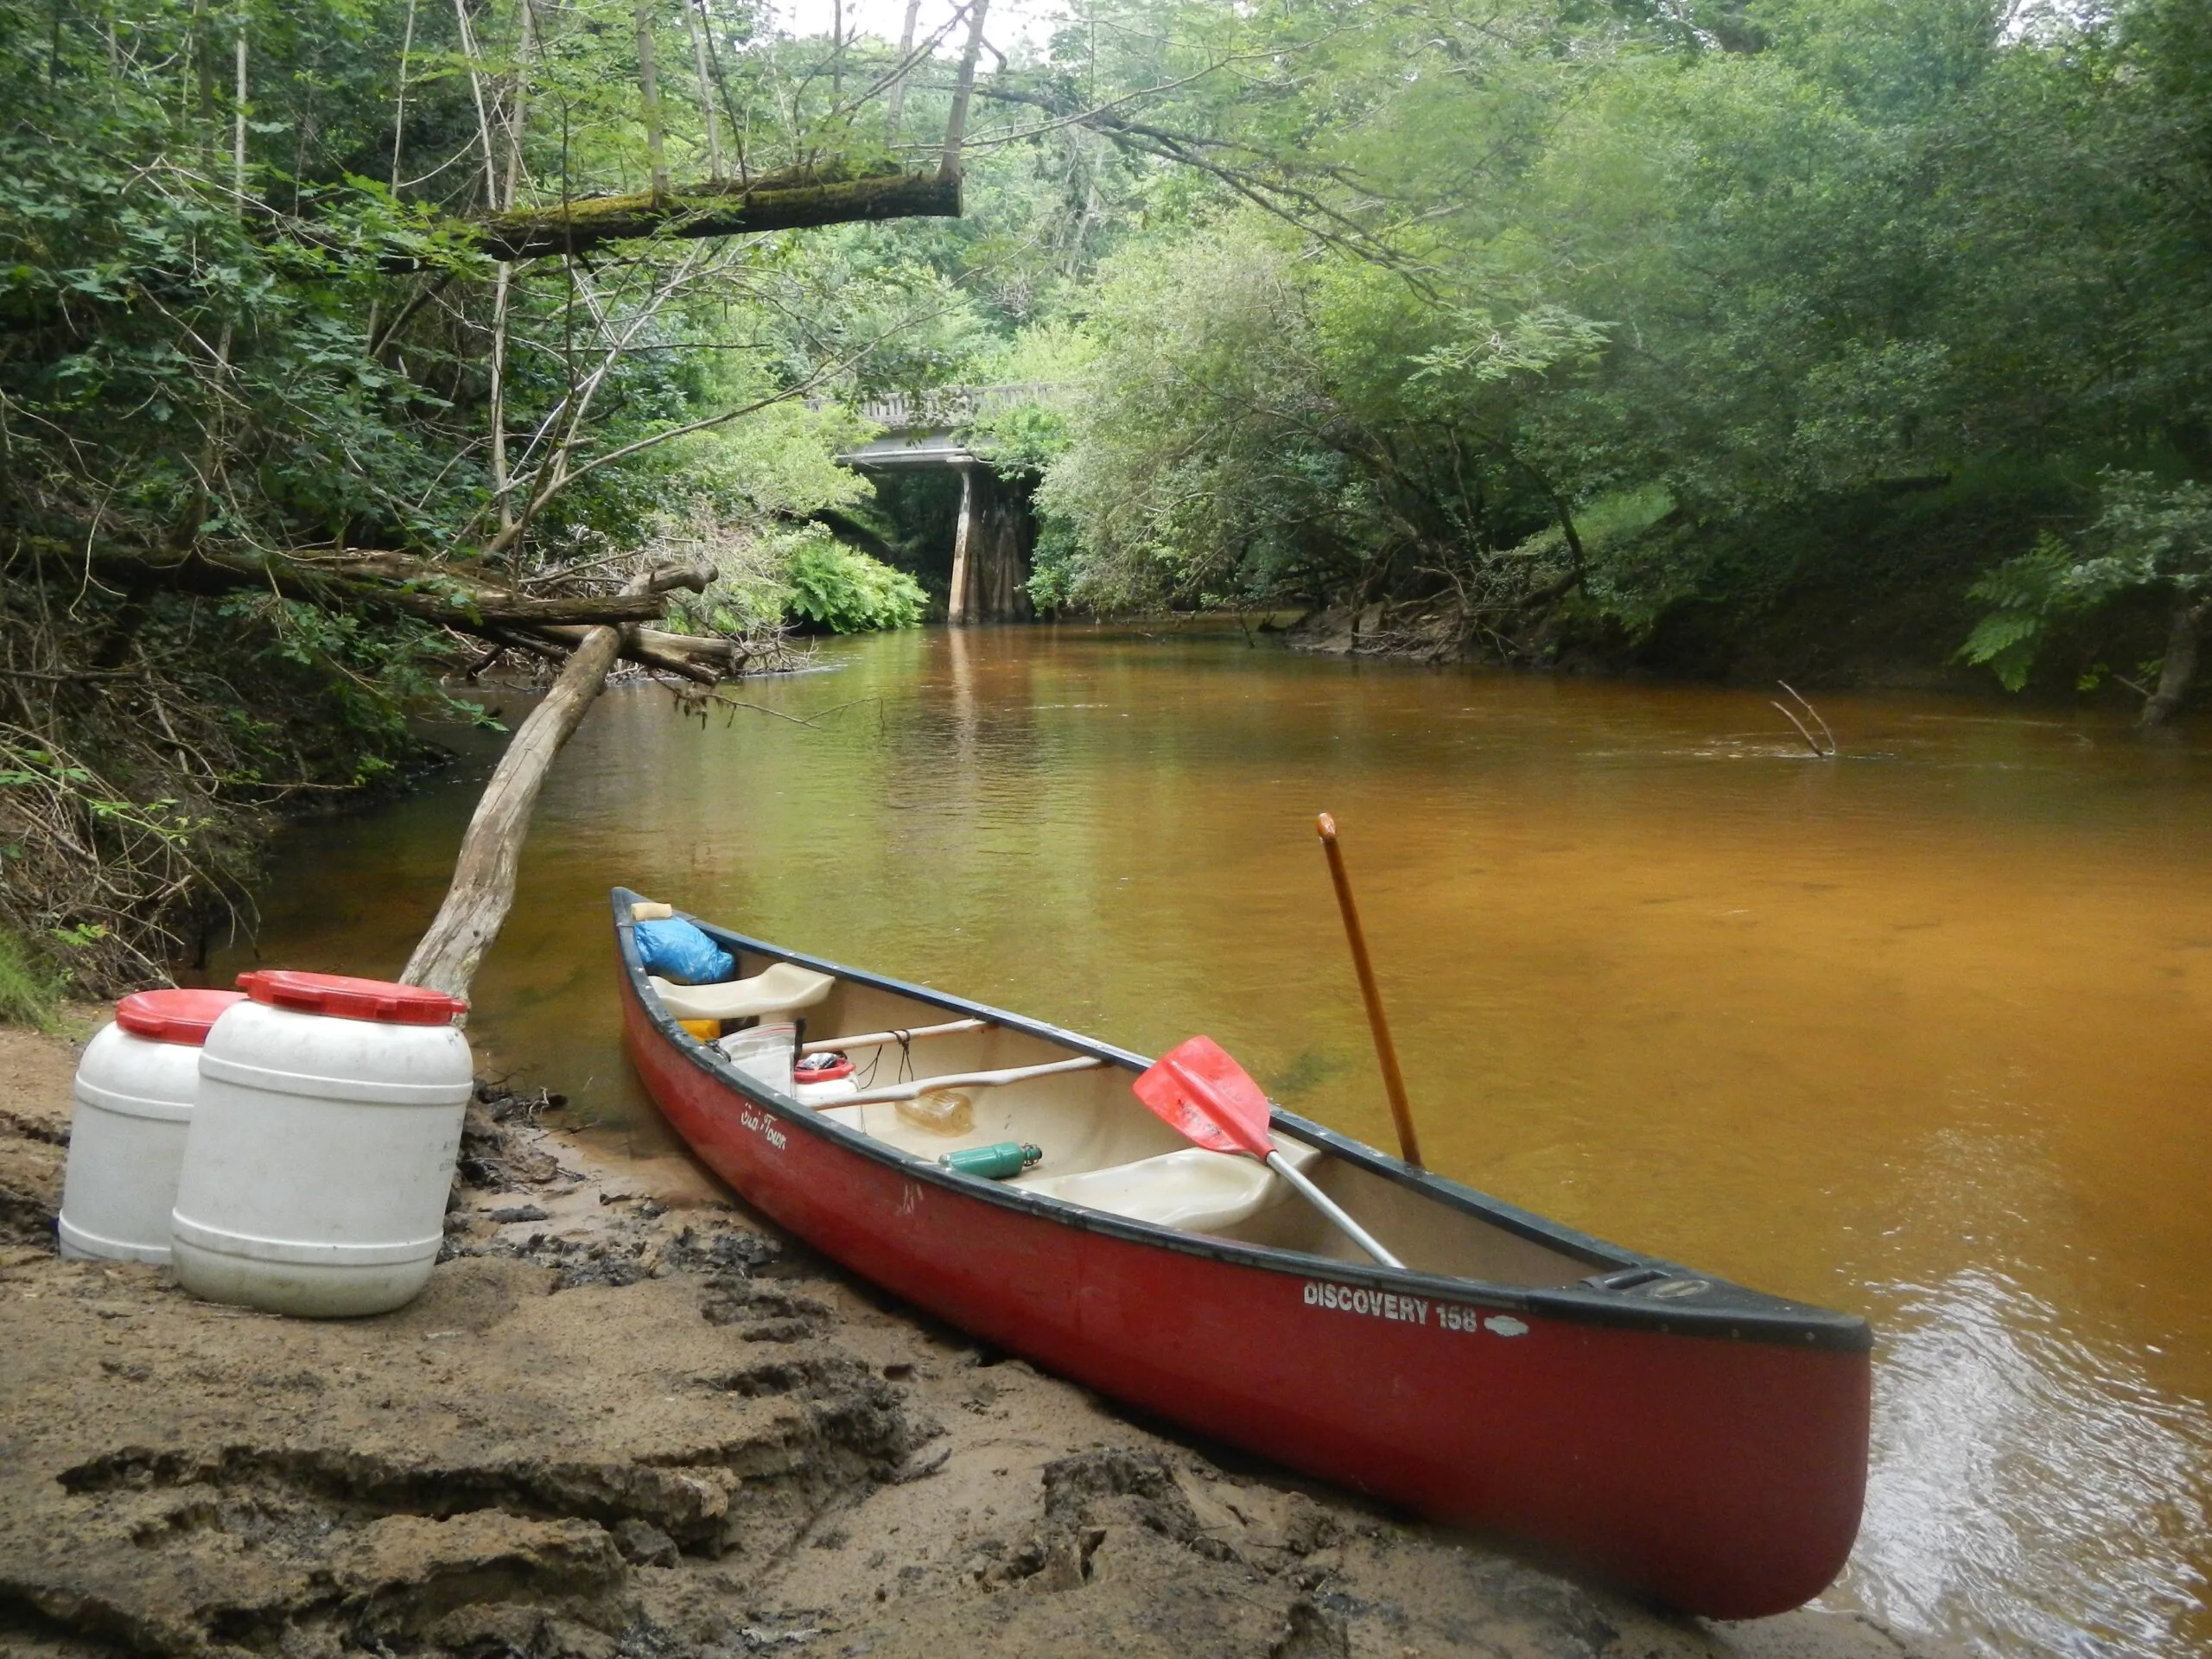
(781, 987)
(1194, 1190)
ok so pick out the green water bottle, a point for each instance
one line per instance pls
(993, 1163)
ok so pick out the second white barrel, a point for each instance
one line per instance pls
(135, 1089)
(323, 1145)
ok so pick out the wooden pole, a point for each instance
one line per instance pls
(1386, 1055)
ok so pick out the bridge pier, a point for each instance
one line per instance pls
(990, 551)
(995, 532)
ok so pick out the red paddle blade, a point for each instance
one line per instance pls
(1195, 1089)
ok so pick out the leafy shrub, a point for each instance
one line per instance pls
(28, 993)
(2150, 537)
(835, 587)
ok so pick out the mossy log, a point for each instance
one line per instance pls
(466, 613)
(791, 200)
(447, 596)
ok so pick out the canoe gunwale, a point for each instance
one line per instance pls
(1747, 1315)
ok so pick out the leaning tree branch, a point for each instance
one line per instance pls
(1277, 196)
(483, 888)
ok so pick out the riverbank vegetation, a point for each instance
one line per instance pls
(352, 350)
(1852, 338)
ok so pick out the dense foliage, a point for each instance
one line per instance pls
(249, 346)
(1841, 336)
(1711, 335)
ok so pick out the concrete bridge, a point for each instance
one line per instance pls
(995, 531)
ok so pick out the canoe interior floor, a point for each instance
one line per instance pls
(1105, 1149)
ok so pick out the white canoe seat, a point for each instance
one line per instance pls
(1193, 1190)
(782, 988)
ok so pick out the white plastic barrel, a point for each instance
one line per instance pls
(135, 1089)
(322, 1147)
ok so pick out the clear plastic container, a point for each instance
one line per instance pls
(764, 1053)
(940, 1111)
(827, 1094)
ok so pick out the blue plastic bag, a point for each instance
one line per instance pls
(677, 951)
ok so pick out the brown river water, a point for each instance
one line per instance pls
(1920, 1031)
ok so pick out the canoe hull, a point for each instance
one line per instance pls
(1721, 1477)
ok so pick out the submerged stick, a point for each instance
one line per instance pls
(1817, 750)
(1806, 704)
(1386, 1053)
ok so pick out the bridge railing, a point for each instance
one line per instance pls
(951, 406)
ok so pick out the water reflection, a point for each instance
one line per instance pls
(1920, 1031)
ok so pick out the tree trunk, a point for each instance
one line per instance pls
(238, 126)
(795, 199)
(2180, 665)
(956, 125)
(897, 110)
(692, 27)
(483, 888)
(649, 87)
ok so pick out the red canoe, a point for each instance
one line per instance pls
(1691, 1440)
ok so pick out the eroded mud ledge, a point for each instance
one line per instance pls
(627, 1421)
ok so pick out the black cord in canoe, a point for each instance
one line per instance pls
(905, 1041)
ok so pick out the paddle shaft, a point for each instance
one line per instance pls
(1386, 1053)
(1329, 1207)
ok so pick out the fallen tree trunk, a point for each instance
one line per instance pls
(548, 626)
(453, 599)
(483, 887)
(507, 608)
(707, 659)
(795, 199)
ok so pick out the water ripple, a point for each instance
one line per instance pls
(2021, 1475)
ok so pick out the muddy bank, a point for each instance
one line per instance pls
(1436, 631)
(629, 1421)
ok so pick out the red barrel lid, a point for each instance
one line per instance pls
(174, 1016)
(821, 1068)
(344, 997)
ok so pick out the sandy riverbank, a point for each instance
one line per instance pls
(629, 1421)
